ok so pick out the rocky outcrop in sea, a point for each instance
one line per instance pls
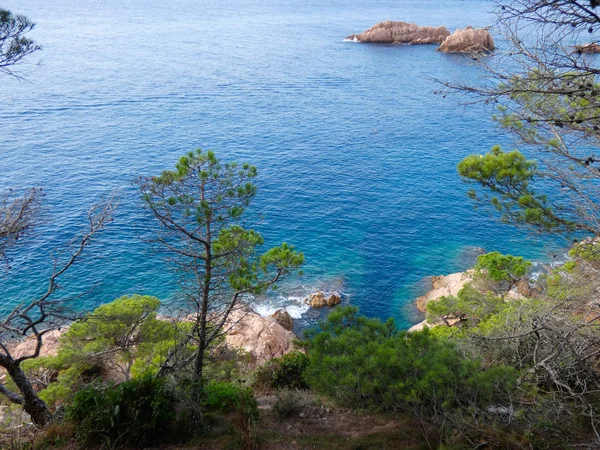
(468, 40)
(389, 32)
(319, 299)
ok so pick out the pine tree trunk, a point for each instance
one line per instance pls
(32, 404)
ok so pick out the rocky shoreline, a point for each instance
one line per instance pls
(442, 286)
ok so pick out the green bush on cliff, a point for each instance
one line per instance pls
(123, 336)
(469, 304)
(502, 270)
(139, 411)
(226, 398)
(286, 372)
(366, 363)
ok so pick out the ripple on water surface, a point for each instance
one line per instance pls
(356, 154)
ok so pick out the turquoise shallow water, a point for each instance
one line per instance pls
(356, 155)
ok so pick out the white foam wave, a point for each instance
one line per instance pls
(294, 306)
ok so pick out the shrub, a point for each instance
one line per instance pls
(365, 363)
(289, 402)
(137, 412)
(286, 372)
(227, 398)
(469, 304)
(505, 270)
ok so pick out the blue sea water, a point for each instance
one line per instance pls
(356, 155)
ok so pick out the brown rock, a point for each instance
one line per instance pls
(419, 326)
(50, 344)
(389, 32)
(468, 40)
(524, 288)
(284, 319)
(316, 300)
(334, 299)
(262, 338)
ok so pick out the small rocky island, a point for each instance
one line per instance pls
(389, 32)
(467, 40)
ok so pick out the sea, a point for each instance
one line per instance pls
(356, 150)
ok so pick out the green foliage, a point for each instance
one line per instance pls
(138, 412)
(228, 398)
(284, 372)
(586, 250)
(199, 208)
(501, 269)
(289, 402)
(468, 304)
(365, 363)
(508, 177)
(127, 327)
(14, 45)
(124, 335)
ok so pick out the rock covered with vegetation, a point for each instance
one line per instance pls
(444, 285)
(389, 32)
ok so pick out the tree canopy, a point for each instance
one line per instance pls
(15, 46)
(219, 263)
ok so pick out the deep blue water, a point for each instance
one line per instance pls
(356, 155)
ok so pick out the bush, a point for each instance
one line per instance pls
(502, 270)
(286, 372)
(365, 363)
(289, 402)
(227, 398)
(139, 412)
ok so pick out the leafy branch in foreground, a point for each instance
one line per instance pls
(508, 181)
(546, 90)
(14, 45)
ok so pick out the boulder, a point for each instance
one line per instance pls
(449, 321)
(389, 32)
(444, 286)
(261, 337)
(419, 326)
(284, 319)
(318, 299)
(334, 299)
(524, 288)
(50, 344)
(468, 40)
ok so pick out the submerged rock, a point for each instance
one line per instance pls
(284, 319)
(389, 32)
(468, 40)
